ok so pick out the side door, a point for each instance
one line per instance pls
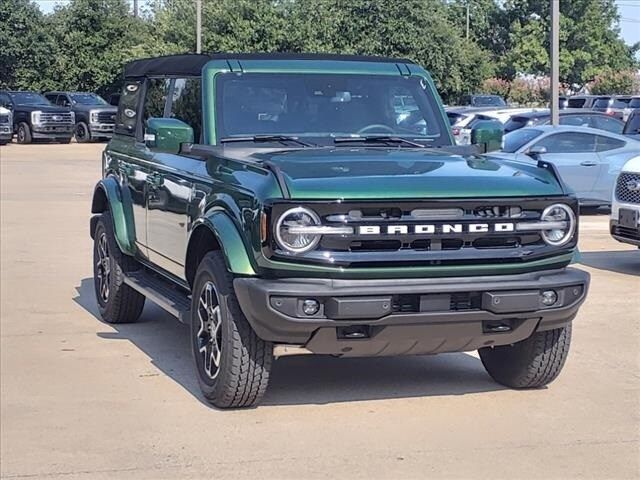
(613, 155)
(171, 195)
(574, 154)
(132, 159)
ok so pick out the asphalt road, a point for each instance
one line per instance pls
(83, 399)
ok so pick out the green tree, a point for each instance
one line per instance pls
(26, 48)
(95, 38)
(590, 41)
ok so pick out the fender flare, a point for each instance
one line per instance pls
(230, 241)
(108, 195)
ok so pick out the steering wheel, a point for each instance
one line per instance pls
(377, 126)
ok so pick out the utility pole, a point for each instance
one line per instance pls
(468, 19)
(198, 26)
(555, 61)
(135, 8)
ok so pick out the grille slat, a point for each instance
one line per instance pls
(623, 192)
(56, 118)
(4, 118)
(106, 117)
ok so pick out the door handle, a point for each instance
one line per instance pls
(588, 163)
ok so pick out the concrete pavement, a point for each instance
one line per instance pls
(83, 399)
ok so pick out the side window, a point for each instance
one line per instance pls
(604, 144)
(127, 117)
(576, 120)
(51, 97)
(155, 98)
(609, 124)
(569, 143)
(5, 101)
(186, 104)
(63, 101)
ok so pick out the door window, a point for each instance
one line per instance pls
(155, 99)
(127, 117)
(575, 120)
(5, 101)
(63, 101)
(604, 144)
(186, 104)
(576, 102)
(568, 143)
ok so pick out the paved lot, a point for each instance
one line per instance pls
(82, 399)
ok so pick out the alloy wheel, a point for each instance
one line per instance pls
(209, 335)
(103, 267)
(81, 132)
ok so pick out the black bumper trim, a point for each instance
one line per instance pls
(255, 294)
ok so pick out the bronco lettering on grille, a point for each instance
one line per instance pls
(433, 229)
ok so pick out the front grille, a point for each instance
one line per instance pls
(623, 191)
(56, 118)
(472, 234)
(106, 117)
(4, 118)
(631, 233)
(414, 303)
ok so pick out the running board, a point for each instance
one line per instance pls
(161, 292)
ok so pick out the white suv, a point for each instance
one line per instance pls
(625, 207)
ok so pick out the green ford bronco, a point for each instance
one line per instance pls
(287, 204)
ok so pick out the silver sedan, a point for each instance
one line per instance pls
(588, 160)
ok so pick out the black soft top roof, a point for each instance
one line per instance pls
(191, 64)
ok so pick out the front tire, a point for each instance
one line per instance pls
(232, 363)
(530, 363)
(117, 301)
(24, 133)
(82, 133)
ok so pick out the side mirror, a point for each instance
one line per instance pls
(488, 135)
(167, 134)
(535, 151)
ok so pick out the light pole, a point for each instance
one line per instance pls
(555, 61)
(198, 26)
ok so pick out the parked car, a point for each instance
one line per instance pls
(292, 213)
(6, 126)
(613, 106)
(583, 101)
(625, 206)
(35, 118)
(95, 118)
(483, 100)
(463, 119)
(588, 159)
(632, 127)
(563, 102)
(633, 104)
(571, 116)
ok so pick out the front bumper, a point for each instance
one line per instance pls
(52, 131)
(409, 316)
(102, 130)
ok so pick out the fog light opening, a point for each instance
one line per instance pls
(310, 306)
(549, 298)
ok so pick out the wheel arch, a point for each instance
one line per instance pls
(216, 231)
(108, 196)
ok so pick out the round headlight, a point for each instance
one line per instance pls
(562, 223)
(297, 242)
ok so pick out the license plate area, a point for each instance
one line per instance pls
(628, 218)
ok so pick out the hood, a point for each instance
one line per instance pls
(374, 173)
(42, 108)
(78, 107)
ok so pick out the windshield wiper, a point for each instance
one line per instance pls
(378, 139)
(266, 138)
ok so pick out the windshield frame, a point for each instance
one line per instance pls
(14, 95)
(101, 101)
(430, 101)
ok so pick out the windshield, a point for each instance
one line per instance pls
(321, 107)
(515, 140)
(87, 99)
(488, 101)
(28, 98)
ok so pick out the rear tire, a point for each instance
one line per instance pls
(531, 363)
(24, 133)
(118, 302)
(232, 363)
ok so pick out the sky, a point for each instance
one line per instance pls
(629, 16)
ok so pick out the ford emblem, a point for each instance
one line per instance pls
(56, 118)
(633, 186)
